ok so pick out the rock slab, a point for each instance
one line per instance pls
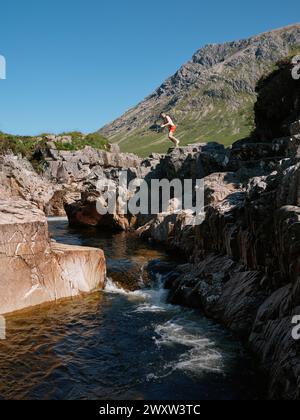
(35, 270)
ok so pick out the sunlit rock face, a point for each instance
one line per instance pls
(34, 270)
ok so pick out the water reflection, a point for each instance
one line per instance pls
(118, 345)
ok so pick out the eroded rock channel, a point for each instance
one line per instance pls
(240, 267)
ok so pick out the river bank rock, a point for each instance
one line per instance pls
(190, 162)
(78, 174)
(85, 209)
(87, 168)
(63, 176)
(244, 268)
(84, 212)
(221, 288)
(18, 179)
(35, 270)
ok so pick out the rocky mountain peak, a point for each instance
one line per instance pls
(211, 96)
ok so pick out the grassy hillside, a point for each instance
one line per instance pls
(221, 123)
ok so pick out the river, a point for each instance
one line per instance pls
(118, 345)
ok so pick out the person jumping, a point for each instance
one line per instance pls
(168, 122)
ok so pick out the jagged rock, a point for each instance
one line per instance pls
(160, 228)
(114, 148)
(177, 229)
(84, 212)
(131, 279)
(295, 128)
(271, 339)
(219, 186)
(85, 169)
(66, 172)
(150, 166)
(287, 241)
(62, 197)
(288, 145)
(66, 175)
(223, 290)
(277, 106)
(59, 139)
(18, 179)
(245, 256)
(242, 294)
(68, 167)
(33, 269)
(258, 159)
(200, 285)
(191, 162)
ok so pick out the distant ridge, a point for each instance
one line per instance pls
(211, 96)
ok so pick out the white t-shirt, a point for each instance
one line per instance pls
(170, 121)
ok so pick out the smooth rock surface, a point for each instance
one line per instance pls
(34, 270)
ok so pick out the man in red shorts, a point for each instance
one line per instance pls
(168, 122)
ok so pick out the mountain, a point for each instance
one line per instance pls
(211, 97)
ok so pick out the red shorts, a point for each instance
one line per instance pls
(172, 129)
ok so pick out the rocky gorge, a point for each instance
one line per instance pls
(34, 269)
(242, 264)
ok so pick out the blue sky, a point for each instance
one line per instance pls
(78, 64)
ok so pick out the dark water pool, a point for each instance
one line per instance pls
(118, 345)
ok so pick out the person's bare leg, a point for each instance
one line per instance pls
(174, 140)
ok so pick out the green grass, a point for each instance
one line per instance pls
(223, 125)
(26, 146)
(295, 50)
(217, 111)
(79, 142)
